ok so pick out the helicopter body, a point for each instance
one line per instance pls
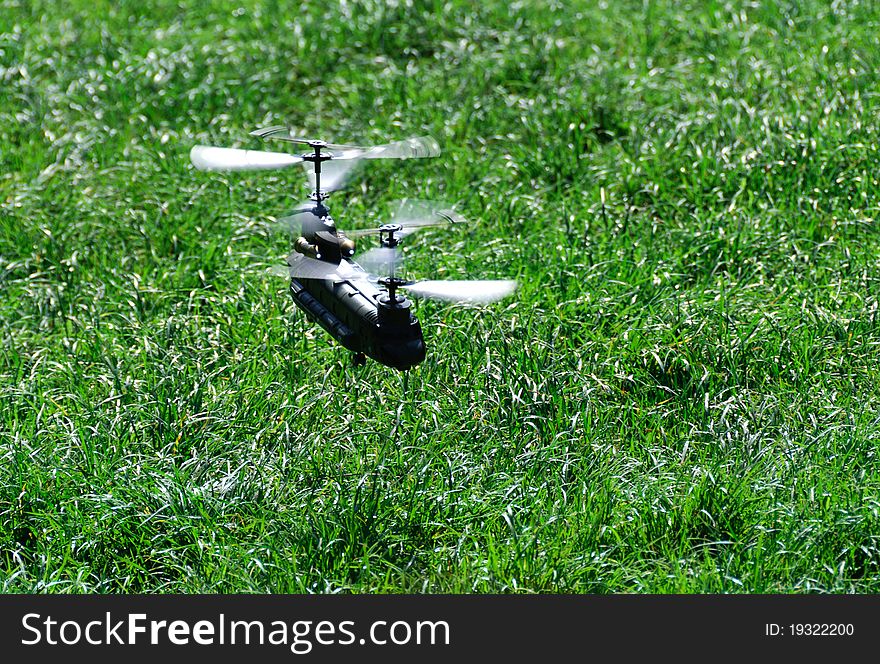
(366, 314)
(350, 313)
(349, 306)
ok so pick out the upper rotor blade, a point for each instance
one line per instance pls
(410, 148)
(420, 147)
(463, 291)
(334, 174)
(209, 158)
(282, 133)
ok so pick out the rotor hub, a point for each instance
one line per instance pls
(391, 284)
(388, 234)
(320, 210)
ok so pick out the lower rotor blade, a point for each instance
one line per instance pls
(414, 214)
(463, 291)
(210, 158)
(383, 261)
(303, 267)
(279, 271)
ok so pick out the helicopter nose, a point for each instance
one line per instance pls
(404, 355)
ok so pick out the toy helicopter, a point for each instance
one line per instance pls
(364, 312)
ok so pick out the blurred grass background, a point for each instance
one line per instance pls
(682, 396)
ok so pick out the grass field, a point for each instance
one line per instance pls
(683, 395)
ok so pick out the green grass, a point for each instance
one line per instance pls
(683, 396)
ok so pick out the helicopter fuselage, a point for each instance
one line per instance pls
(353, 310)
(353, 313)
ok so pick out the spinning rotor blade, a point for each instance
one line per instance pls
(383, 261)
(410, 211)
(308, 206)
(306, 269)
(278, 271)
(361, 232)
(414, 214)
(410, 148)
(301, 219)
(209, 158)
(303, 267)
(463, 291)
(292, 222)
(421, 147)
(334, 174)
(282, 133)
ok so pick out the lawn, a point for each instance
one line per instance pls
(682, 396)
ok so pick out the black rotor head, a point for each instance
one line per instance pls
(392, 281)
(388, 234)
(391, 284)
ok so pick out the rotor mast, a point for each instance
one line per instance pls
(388, 239)
(316, 159)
